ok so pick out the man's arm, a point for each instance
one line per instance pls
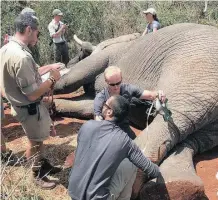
(98, 104)
(55, 34)
(136, 156)
(152, 95)
(44, 87)
(149, 95)
(26, 79)
(44, 69)
(135, 91)
(59, 32)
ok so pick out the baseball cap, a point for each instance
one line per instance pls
(150, 10)
(57, 12)
(28, 10)
(27, 19)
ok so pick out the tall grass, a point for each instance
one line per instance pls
(96, 21)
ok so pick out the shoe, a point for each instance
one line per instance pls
(47, 168)
(44, 183)
(11, 159)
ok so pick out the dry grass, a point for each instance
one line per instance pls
(17, 181)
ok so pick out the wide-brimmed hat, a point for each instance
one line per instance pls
(150, 10)
(57, 12)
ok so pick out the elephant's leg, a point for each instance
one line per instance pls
(80, 107)
(178, 179)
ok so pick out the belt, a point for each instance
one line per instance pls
(28, 105)
(60, 43)
(32, 108)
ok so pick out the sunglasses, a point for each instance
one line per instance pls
(114, 84)
(107, 106)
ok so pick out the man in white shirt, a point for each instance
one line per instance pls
(56, 30)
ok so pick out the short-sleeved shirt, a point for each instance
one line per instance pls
(53, 28)
(19, 72)
(151, 26)
(126, 90)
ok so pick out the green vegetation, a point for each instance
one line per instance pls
(96, 21)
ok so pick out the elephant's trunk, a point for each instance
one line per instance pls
(82, 73)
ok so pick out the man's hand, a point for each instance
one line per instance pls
(56, 74)
(64, 26)
(57, 66)
(98, 118)
(161, 96)
(47, 99)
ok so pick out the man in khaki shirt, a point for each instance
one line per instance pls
(57, 30)
(22, 85)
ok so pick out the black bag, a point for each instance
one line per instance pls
(56, 30)
(32, 108)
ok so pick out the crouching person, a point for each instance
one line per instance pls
(24, 89)
(106, 158)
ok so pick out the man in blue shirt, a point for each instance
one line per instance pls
(113, 78)
(102, 146)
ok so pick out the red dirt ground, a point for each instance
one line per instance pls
(206, 164)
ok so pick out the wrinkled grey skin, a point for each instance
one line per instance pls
(182, 60)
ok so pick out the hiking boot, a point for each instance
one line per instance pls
(44, 183)
(11, 159)
(47, 168)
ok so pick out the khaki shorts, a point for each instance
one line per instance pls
(122, 181)
(36, 127)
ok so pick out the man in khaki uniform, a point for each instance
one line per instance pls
(57, 30)
(22, 85)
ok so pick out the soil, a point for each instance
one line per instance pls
(65, 142)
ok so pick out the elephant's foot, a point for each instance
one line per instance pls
(177, 181)
(80, 107)
(173, 190)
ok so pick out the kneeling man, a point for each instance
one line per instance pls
(113, 78)
(101, 170)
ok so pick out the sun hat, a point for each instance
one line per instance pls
(57, 12)
(150, 10)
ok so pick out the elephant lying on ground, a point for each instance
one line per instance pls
(182, 60)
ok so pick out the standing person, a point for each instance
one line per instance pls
(106, 157)
(153, 22)
(22, 85)
(7, 38)
(113, 78)
(33, 47)
(56, 30)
